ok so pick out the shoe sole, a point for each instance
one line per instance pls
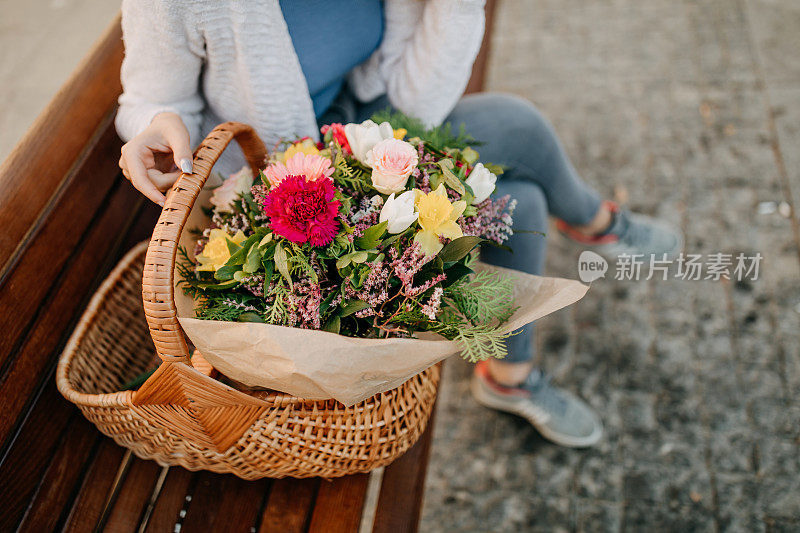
(571, 442)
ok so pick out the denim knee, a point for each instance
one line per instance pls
(514, 130)
(530, 215)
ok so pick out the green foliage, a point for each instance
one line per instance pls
(352, 176)
(228, 307)
(485, 299)
(278, 312)
(372, 236)
(478, 342)
(458, 248)
(440, 137)
(450, 179)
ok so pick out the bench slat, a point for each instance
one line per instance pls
(403, 486)
(289, 505)
(33, 429)
(25, 463)
(225, 503)
(170, 501)
(31, 281)
(57, 486)
(130, 501)
(94, 492)
(339, 505)
(70, 292)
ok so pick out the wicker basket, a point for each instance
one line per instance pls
(181, 416)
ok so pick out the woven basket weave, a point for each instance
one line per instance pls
(181, 416)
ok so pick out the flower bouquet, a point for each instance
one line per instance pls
(345, 267)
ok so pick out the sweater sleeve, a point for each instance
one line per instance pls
(161, 69)
(425, 60)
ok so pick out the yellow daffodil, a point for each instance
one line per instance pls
(306, 146)
(216, 252)
(399, 133)
(437, 218)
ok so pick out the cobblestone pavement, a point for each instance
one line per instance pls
(691, 110)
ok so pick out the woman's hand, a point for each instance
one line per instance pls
(152, 159)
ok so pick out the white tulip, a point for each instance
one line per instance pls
(362, 137)
(399, 212)
(482, 183)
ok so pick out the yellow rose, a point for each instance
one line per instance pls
(216, 253)
(437, 218)
(399, 133)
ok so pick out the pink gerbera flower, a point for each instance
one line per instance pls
(313, 167)
(303, 210)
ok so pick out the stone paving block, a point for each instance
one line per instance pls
(738, 499)
(734, 450)
(598, 478)
(719, 51)
(778, 457)
(641, 516)
(779, 497)
(775, 24)
(595, 516)
(785, 111)
(781, 525)
(774, 416)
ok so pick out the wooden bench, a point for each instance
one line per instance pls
(66, 216)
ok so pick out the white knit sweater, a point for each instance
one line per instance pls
(215, 60)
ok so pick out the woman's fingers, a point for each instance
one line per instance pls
(162, 180)
(147, 160)
(177, 137)
(138, 175)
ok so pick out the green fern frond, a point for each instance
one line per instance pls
(485, 298)
(478, 342)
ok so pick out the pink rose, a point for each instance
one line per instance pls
(392, 162)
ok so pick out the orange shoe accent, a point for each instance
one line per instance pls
(482, 371)
(575, 235)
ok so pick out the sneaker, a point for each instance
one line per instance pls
(557, 414)
(630, 234)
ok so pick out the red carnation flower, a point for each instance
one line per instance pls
(337, 130)
(303, 211)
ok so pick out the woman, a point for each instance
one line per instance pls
(287, 66)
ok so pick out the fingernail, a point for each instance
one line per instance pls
(161, 203)
(186, 166)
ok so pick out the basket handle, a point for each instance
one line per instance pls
(157, 279)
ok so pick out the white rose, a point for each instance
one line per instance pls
(362, 137)
(399, 212)
(482, 183)
(239, 183)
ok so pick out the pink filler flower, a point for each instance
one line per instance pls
(313, 167)
(303, 210)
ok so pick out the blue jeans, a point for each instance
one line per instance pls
(515, 134)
